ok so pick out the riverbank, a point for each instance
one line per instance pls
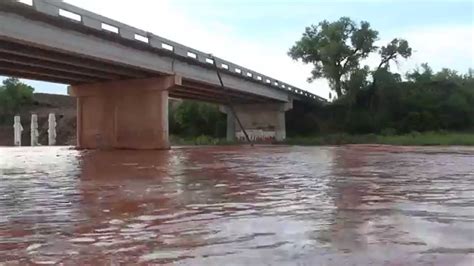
(411, 139)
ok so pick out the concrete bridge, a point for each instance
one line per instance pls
(122, 76)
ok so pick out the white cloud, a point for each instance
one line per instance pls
(442, 46)
(439, 46)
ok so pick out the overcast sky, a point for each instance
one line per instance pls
(258, 33)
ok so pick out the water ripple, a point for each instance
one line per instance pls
(238, 205)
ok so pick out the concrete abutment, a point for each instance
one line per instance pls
(263, 122)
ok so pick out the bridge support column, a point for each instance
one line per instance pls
(127, 114)
(230, 131)
(263, 122)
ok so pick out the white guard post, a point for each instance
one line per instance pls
(18, 129)
(52, 130)
(34, 130)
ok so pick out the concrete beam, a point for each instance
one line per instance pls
(227, 91)
(219, 92)
(46, 78)
(33, 53)
(8, 67)
(215, 97)
(201, 98)
(51, 66)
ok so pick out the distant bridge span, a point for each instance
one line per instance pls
(122, 76)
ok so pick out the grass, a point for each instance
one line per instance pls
(200, 141)
(430, 139)
(412, 139)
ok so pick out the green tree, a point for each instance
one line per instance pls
(447, 74)
(13, 95)
(392, 51)
(424, 74)
(470, 74)
(335, 50)
(357, 81)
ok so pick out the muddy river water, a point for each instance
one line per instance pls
(352, 205)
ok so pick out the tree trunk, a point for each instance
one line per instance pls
(338, 89)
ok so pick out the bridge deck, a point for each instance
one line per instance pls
(57, 42)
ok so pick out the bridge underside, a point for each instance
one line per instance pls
(35, 63)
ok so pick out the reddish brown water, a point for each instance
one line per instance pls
(355, 205)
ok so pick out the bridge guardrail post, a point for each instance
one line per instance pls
(46, 7)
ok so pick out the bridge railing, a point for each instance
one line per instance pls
(89, 19)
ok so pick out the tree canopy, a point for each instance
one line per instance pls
(336, 49)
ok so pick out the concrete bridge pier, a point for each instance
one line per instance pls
(263, 122)
(126, 114)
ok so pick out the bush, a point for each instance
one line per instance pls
(388, 131)
(415, 134)
(190, 119)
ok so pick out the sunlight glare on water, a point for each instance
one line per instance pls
(355, 205)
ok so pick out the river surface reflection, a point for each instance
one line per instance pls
(353, 205)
